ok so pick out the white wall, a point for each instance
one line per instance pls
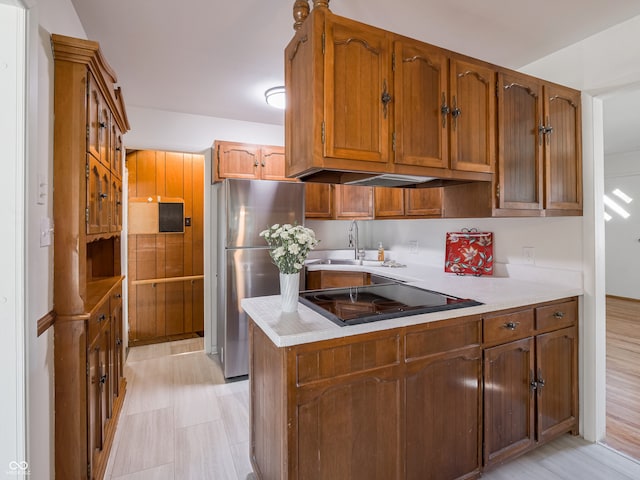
(622, 236)
(182, 132)
(45, 17)
(557, 242)
(13, 409)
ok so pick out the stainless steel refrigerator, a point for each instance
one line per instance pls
(244, 267)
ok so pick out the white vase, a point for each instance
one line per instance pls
(289, 290)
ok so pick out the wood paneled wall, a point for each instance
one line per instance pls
(168, 308)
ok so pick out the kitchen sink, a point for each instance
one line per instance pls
(346, 261)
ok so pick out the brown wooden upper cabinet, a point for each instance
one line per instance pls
(324, 201)
(408, 202)
(243, 160)
(361, 99)
(539, 155)
(444, 109)
(318, 201)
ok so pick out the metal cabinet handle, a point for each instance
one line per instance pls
(118, 342)
(385, 98)
(444, 110)
(118, 295)
(102, 317)
(455, 113)
(104, 195)
(558, 314)
(255, 164)
(103, 379)
(511, 325)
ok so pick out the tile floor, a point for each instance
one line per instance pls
(181, 421)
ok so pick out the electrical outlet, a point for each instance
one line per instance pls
(413, 246)
(528, 255)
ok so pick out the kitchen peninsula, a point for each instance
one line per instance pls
(439, 395)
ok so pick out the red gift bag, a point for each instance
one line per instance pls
(469, 252)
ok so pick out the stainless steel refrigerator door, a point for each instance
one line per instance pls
(254, 205)
(250, 272)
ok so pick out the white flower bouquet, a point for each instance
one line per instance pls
(289, 245)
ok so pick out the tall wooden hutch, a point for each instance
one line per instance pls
(90, 120)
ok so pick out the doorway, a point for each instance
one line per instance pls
(622, 258)
(165, 226)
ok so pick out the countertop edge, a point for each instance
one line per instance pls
(307, 326)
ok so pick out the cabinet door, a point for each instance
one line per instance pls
(357, 80)
(350, 430)
(318, 200)
(98, 118)
(508, 400)
(563, 149)
(98, 407)
(98, 204)
(557, 382)
(473, 116)
(116, 366)
(354, 202)
(272, 164)
(115, 149)
(420, 102)
(115, 224)
(442, 416)
(423, 202)
(236, 160)
(520, 143)
(389, 202)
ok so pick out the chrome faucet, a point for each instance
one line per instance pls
(354, 243)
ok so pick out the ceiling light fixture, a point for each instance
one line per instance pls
(275, 97)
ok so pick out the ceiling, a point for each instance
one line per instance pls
(217, 58)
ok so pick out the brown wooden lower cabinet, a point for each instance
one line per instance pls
(385, 405)
(530, 383)
(317, 279)
(413, 402)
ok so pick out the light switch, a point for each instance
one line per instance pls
(46, 231)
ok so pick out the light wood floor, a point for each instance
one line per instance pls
(623, 375)
(181, 421)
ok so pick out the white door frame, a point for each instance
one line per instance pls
(13, 402)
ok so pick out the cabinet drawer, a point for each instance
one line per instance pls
(441, 339)
(98, 319)
(508, 326)
(340, 360)
(558, 315)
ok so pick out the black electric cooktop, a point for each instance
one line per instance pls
(370, 303)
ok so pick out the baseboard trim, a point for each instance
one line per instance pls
(626, 299)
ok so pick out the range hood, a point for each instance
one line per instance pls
(390, 180)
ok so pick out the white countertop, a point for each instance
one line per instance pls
(496, 293)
